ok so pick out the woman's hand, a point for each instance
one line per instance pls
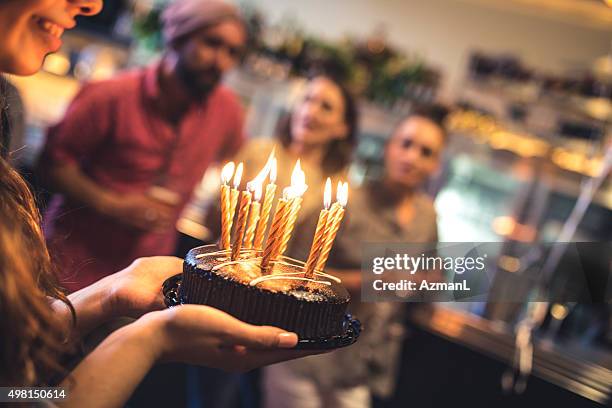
(136, 290)
(202, 335)
(191, 334)
(132, 292)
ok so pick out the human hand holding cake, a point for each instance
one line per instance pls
(203, 335)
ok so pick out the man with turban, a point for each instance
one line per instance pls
(129, 151)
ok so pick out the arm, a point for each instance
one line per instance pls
(109, 374)
(67, 178)
(85, 127)
(130, 209)
(91, 312)
(131, 292)
(76, 139)
(191, 334)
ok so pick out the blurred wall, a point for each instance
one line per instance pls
(445, 31)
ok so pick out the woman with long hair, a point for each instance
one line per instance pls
(40, 324)
(320, 131)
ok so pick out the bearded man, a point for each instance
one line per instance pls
(128, 153)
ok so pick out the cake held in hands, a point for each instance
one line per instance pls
(248, 276)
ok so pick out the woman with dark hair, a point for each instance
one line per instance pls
(324, 122)
(40, 324)
(321, 132)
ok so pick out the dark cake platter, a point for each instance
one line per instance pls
(317, 313)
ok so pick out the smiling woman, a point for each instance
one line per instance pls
(44, 322)
(31, 29)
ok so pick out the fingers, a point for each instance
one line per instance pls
(262, 337)
(167, 262)
(147, 213)
(159, 216)
(237, 332)
(171, 264)
(227, 343)
(164, 196)
(167, 266)
(231, 331)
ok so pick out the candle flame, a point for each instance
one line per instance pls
(238, 176)
(327, 194)
(261, 176)
(342, 194)
(269, 168)
(298, 181)
(226, 172)
(273, 166)
(296, 175)
(271, 156)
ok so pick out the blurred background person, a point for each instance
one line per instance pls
(392, 210)
(126, 156)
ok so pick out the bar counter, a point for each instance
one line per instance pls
(586, 372)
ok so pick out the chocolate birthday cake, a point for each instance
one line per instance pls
(282, 297)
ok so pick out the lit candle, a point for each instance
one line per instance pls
(253, 214)
(226, 225)
(260, 230)
(298, 187)
(319, 238)
(336, 206)
(282, 211)
(234, 193)
(333, 224)
(245, 203)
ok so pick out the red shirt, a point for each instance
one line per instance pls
(112, 131)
